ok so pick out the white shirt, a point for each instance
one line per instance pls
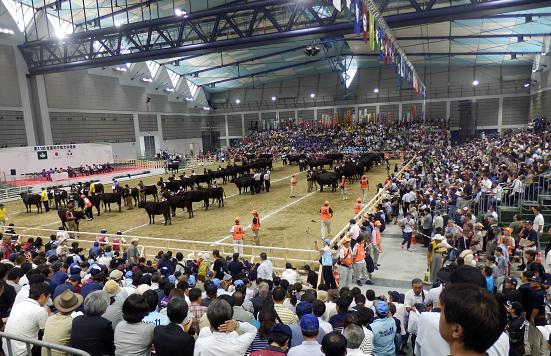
(26, 320)
(307, 348)
(410, 299)
(22, 295)
(265, 270)
(325, 326)
(538, 223)
(290, 275)
(215, 343)
(330, 310)
(354, 231)
(433, 296)
(430, 343)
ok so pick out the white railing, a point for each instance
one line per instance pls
(8, 194)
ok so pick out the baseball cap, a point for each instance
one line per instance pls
(75, 269)
(75, 277)
(282, 329)
(172, 279)
(116, 275)
(395, 295)
(309, 322)
(303, 308)
(536, 279)
(128, 274)
(511, 280)
(191, 281)
(216, 282)
(164, 271)
(238, 283)
(381, 308)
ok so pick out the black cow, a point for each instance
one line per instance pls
(156, 208)
(348, 170)
(314, 163)
(216, 194)
(78, 214)
(109, 198)
(151, 190)
(133, 192)
(98, 188)
(197, 196)
(32, 199)
(60, 198)
(245, 182)
(78, 201)
(202, 178)
(326, 178)
(295, 157)
(183, 202)
(173, 167)
(335, 156)
(266, 156)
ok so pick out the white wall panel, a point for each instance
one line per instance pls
(9, 89)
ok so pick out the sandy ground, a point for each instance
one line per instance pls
(286, 222)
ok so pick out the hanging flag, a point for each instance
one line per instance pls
(366, 34)
(337, 4)
(357, 25)
(372, 31)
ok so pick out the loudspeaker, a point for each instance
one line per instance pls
(13, 172)
(467, 120)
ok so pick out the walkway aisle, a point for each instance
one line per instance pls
(398, 267)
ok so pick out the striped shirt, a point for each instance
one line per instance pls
(259, 343)
(287, 317)
(197, 312)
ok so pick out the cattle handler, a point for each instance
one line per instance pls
(326, 214)
(44, 198)
(293, 186)
(255, 227)
(238, 233)
(128, 197)
(70, 216)
(364, 185)
(141, 189)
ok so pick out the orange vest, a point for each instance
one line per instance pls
(293, 181)
(364, 184)
(347, 260)
(360, 253)
(255, 226)
(357, 208)
(238, 232)
(343, 183)
(376, 237)
(87, 203)
(324, 213)
(387, 156)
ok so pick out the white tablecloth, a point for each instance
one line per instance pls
(60, 176)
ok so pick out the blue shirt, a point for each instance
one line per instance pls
(155, 318)
(326, 258)
(490, 284)
(384, 331)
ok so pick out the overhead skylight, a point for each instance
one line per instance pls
(153, 68)
(174, 77)
(192, 88)
(21, 14)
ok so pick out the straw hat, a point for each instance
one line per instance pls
(438, 237)
(112, 288)
(326, 202)
(345, 239)
(68, 301)
(237, 219)
(254, 212)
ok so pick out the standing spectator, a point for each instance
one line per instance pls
(309, 327)
(91, 332)
(132, 251)
(427, 227)
(267, 181)
(132, 336)
(384, 331)
(265, 269)
(173, 339)
(471, 319)
(354, 335)
(327, 263)
(28, 318)
(283, 314)
(334, 344)
(538, 221)
(224, 336)
(58, 326)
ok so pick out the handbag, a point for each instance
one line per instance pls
(426, 277)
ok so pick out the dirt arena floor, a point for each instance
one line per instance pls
(285, 222)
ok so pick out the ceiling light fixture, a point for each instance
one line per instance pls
(206, 108)
(120, 69)
(189, 99)
(7, 31)
(274, 98)
(376, 90)
(170, 90)
(237, 101)
(526, 85)
(312, 95)
(475, 82)
(147, 80)
(180, 12)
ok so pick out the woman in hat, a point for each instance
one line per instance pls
(58, 326)
(255, 226)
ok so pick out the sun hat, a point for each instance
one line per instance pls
(438, 237)
(111, 287)
(345, 240)
(116, 275)
(68, 301)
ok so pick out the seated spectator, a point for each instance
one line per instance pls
(471, 319)
(283, 314)
(154, 317)
(278, 339)
(173, 339)
(309, 327)
(223, 336)
(267, 319)
(197, 310)
(354, 335)
(58, 326)
(132, 335)
(343, 303)
(91, 332)
(318, 309)
(239, 313)
(334, 344)
(27, 318)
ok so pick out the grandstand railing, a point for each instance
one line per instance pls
(7, 194)
(191, 247)
(30, 343)
(368, 207)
